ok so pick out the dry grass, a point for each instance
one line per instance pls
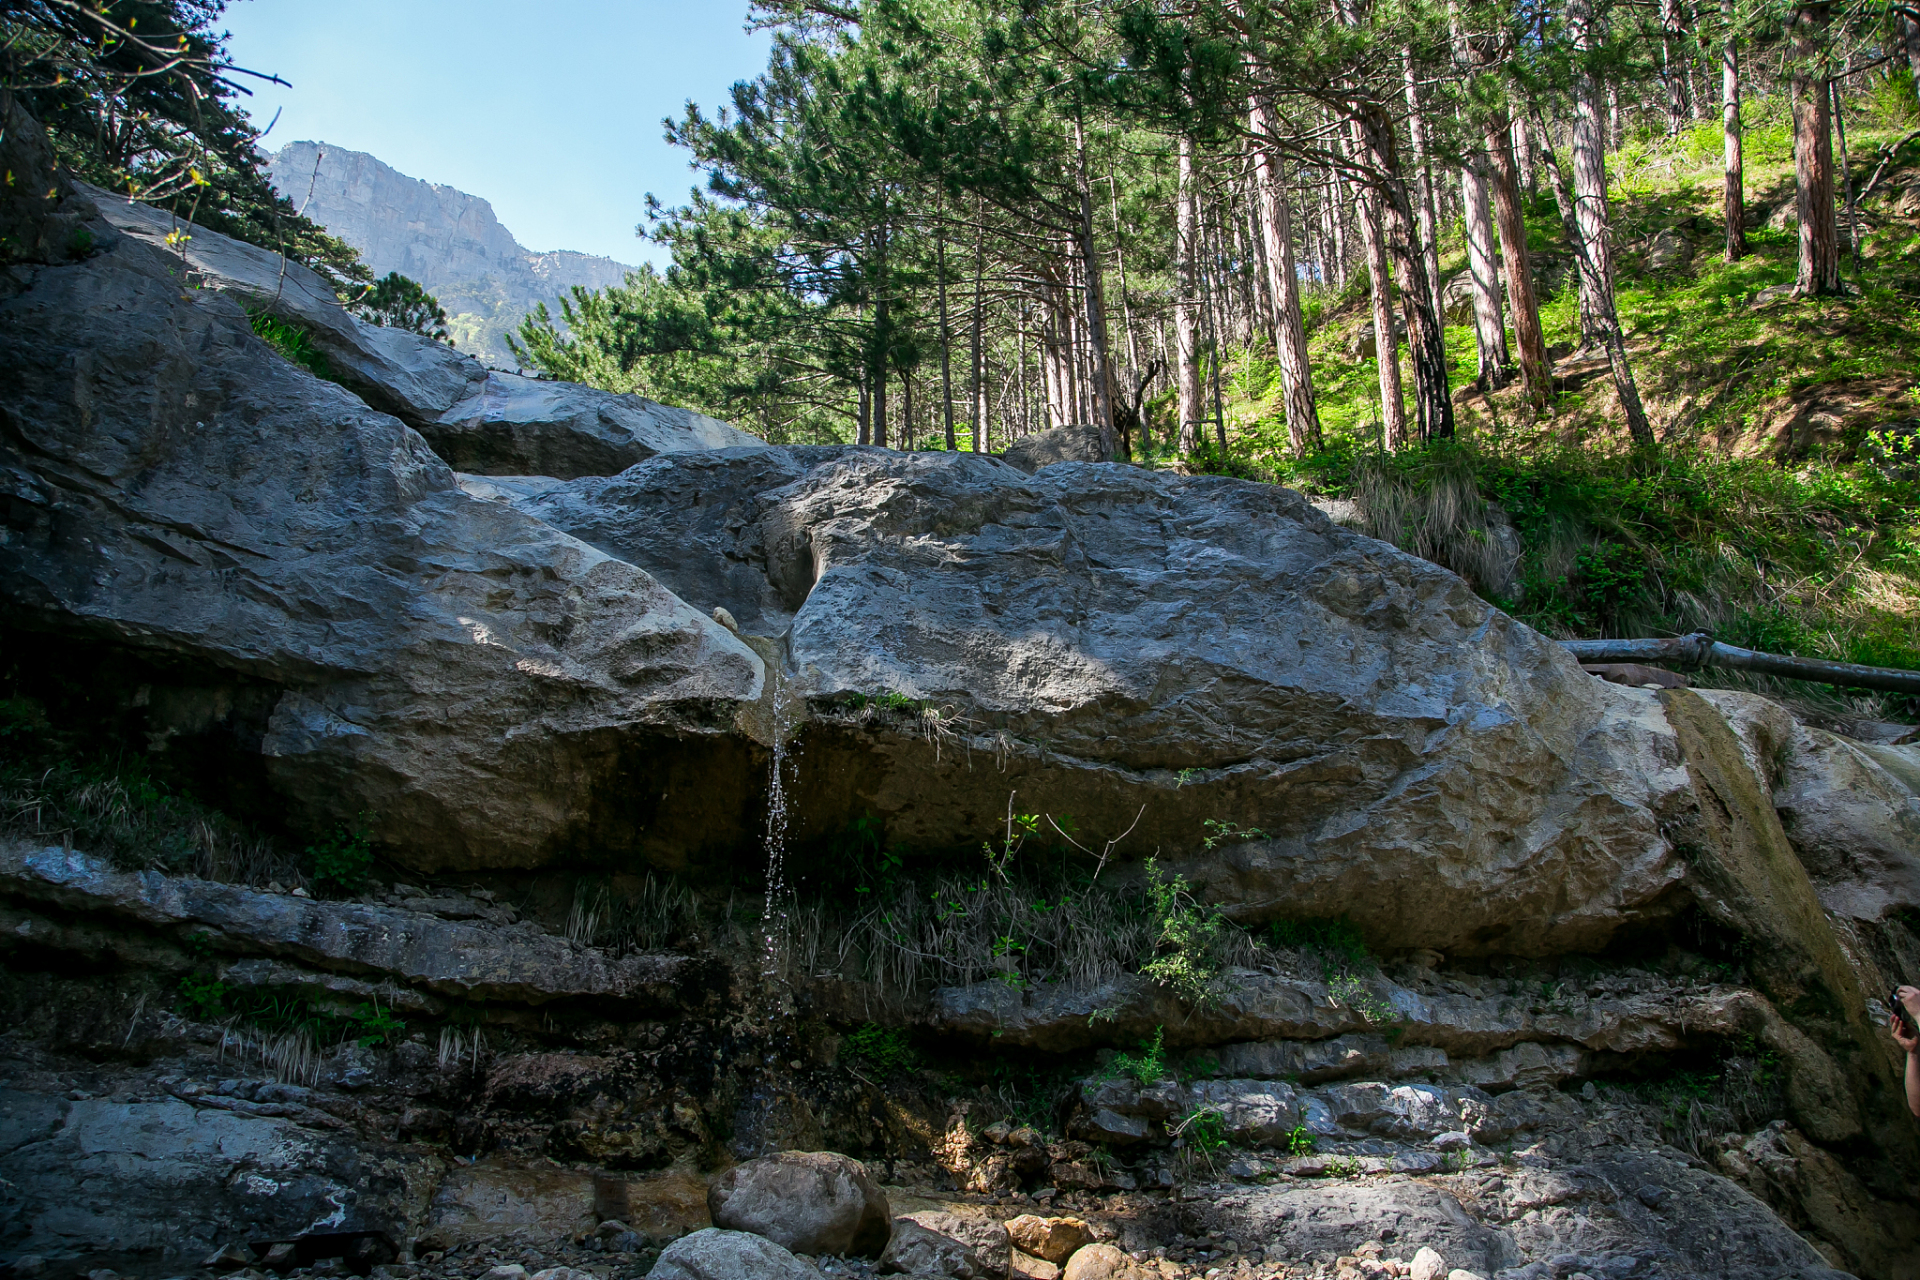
(138, 824)
(655, 915)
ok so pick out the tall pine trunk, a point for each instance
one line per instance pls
(1590, 213)
(1096, 302)
(1819, 267)
(1733, 202)
(1489, 322)
(1386, 347)
(1423, 182)
(1536, 375)
(1283, 283)
(1910, 37)
(977, 400)
(1590, 326)
(1426, 340)
(882, 344)
(946, 328)
(1186, 313)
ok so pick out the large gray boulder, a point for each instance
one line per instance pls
(807, 1201)
(155, 1182)
(524, 426)
(454, 669)
(716, 1254)
(1125, 644)
(477, 420)
(1075, 442)
(1852, 809)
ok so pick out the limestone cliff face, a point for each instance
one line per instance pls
(449, 241)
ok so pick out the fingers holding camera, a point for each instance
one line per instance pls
(1910, 1043)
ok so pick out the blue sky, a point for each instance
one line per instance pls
(551, 111)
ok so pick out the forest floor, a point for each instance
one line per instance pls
(1782, 508)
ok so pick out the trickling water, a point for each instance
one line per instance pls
(773, 917)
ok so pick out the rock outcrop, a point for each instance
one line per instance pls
(1075, 442)
(477, 419)
(569, 685)
(459, 669)
(1197, 648)
(516, 964)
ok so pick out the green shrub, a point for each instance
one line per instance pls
(342, 862)
(886, 1049)
(372, 1025)
(1149, 1066)
(1188, 939)
(203, 997)
(291, 341)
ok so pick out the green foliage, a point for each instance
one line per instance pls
(371, 1025)
(1221, 831)
(860, 853)
(396, 302)
(291, 341)
(342, 861)
(1300, 1141)
(1188, 939)
(209, 999)
(1204, 1129)
(203, 997)
(142, 97)
(885, 1049)
(1149, 1065)
(1020, 828)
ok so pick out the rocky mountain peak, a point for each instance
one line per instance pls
(448, 240)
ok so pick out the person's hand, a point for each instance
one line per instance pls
(1909, 998)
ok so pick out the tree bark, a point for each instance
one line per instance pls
(1733, 200)
(1536, 375)
(1393, 409)
(1846, 175)
(1819, 266)
(1523, 155)
(1096, 302)
(1120, 261)
(1186, 338)
(1283, 282)
(882, 340)
(977, 382)
(1425, 338)
(1910, 35)
(1590, 325)
(946, 329)
(1590, 213)
(1489, 322)
(1673, 37)
(1423, 182)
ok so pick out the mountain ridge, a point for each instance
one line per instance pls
(449, 240)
